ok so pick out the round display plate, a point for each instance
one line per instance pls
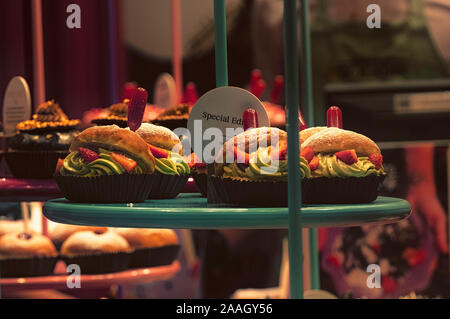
(191, 211)
(127, 277)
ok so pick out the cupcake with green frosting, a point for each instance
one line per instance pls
(252, 169)
(172, 171)
(107, 164)
(346, 167)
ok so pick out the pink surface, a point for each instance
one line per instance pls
(177, 57)
(12, 189)
(128, 277)
(38, 53)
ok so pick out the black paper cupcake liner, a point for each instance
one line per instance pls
(153, 257)
(249, 193)
(351, 190)
(33, 164)
(171, 124)
(125, 188)
(201, 180)
(167, 186)
(27, 267)
(103, 122)
(102, 263)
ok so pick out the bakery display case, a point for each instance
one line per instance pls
(130, 171)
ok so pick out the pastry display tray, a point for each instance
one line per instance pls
(190, 211)
(59, 281)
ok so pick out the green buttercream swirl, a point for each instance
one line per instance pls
(173, 165)
(104, 165)
(331, 166)
(262, 166)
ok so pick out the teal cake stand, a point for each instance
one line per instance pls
(191, 211)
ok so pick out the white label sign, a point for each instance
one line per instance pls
(16, 104)
(221, 108)
(165, 92)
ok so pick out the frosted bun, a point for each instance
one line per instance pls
(252, 139)
(332, 139)
(305, 134)
(89, 242)
(148, 237)
(15, 245)
(161, 137)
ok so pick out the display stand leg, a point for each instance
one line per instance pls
(220, 38)
(294, 177)
(308, 107)
(314, 259)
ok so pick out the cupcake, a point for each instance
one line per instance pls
(199, 173)
(40, 142)
(26, 255)
(174, 117)
(152, 247)
(107, 164)
(116, 114)
(10, 226)
(254, 160)
(172, 171)
(96, 252)
(346, 167)
(60, 232)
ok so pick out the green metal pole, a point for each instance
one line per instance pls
(308, 107)
(294, 177)
(220, 38)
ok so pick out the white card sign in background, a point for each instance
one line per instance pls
(16, 104)
(223, 108)
(165, 92)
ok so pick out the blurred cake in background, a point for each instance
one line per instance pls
(39, 142)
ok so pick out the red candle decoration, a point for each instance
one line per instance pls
(254, 78)
(334, 117)
(277, 88)
(136, 108)
(259, 88)
(190, 95)
(250, 119)
(128, 90)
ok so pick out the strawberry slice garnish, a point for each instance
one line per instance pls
(376, 159)
(87, 154)
(279, 152)
(241, 156)
(388, 284)
(414, 256)
(158, 152)
(314, 164)
(59, 165)
(193, 161)
(127, 163)
(348, 157)
(307, 153)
